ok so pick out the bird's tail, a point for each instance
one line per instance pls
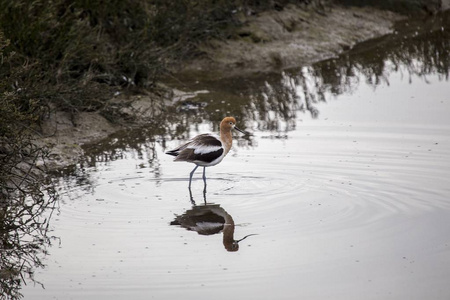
(173, 152)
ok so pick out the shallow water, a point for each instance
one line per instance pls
(344, 181)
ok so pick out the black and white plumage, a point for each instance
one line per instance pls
(207, 149)
(210, 219)
(204, 150)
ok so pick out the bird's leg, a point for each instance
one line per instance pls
(192, 198)
(190, 177)
(204, 181)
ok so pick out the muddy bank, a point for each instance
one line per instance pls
(292, 37)
(269, 41)
(65, 134)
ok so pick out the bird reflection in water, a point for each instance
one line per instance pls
(209, 219)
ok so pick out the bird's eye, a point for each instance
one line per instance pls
(231, 123)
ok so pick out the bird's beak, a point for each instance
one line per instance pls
(241, 131)
(245, 237)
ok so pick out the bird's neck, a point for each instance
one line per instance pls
(227, 140)
(228, 232)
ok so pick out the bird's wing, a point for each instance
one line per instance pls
(203, 148)
(205, 143)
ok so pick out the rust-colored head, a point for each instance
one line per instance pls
(229, 123)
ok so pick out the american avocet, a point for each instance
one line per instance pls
(207, 149)
(210, 219)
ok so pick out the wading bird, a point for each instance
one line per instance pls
(210, 219)
(207, 149)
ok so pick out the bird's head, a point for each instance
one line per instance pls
(234, 245)
(229, 123)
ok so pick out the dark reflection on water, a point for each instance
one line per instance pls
(138, 143)
(420, 46)
(273, 101)
(209, 219)
(141, 143)
(24, 239)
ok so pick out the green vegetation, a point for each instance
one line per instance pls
(72, 55)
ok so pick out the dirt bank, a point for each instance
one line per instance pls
(269, 41)
(64, 134)
(292, 37)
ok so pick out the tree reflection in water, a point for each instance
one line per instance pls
(26, 206)
(271, 102)
(419, 47)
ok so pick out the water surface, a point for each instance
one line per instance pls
(344, 181)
